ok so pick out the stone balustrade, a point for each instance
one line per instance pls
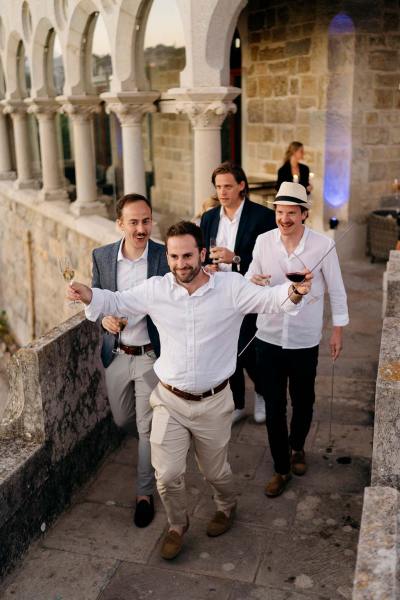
(378, 560)
(55, 429)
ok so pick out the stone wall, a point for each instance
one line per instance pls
(32, 237)
(172, 141)
(378, 558)
(55, 429)
(287, 73)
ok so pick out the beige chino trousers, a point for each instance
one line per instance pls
(175, 423)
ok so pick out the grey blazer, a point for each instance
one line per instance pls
(105, 277)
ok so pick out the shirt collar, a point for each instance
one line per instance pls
(209, 285)
(237, 215)
(300, 247)
(122, 257)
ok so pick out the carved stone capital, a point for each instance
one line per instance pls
(79, 111)
(43, 110)
(17, 109)
(206, 115)
(130, 114)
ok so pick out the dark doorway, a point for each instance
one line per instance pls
(231, 143)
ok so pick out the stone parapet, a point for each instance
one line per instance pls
(377, 568)
(55, 429)
(378, 561)
(386, 448)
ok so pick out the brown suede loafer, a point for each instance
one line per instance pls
(276, 485)
(172, 544)
(298, 462)
(220, 523)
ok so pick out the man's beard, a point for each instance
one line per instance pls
(189, 275)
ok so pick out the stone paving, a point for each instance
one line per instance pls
(299, 546)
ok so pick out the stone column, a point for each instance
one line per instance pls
(18, 111)
(130, 109)
(206, 118)
(6, 171)
(81, 110)
(46, 113)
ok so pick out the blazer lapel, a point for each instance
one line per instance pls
(113, 263)
(153, 259)
(242, 225)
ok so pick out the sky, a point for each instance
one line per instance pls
(163, 27)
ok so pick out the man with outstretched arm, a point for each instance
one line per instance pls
(198, 316)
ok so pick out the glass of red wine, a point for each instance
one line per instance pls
(294, 271)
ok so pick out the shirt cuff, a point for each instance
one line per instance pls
(289, 306)
(340, 320)
(94, 309)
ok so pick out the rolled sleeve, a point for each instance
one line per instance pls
(251, 298)
(340, 320)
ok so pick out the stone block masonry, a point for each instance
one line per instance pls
(32, 237)
(55, 429)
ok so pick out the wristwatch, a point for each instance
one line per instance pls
(236, 260)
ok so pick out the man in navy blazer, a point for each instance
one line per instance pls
(128, 354)
(233, 229)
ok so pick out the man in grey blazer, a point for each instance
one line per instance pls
(129, 352)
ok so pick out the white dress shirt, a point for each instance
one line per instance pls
(199, 332)
(227, 232)
(129, 274)
(271, 258)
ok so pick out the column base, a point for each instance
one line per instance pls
(26, 184)
(7, 175)
(88, 208)
(49, 195)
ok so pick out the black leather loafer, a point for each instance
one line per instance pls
(144, 513)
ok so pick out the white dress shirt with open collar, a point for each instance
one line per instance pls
(131, 273)
(227, 232)
(198, 332)
(270, 257)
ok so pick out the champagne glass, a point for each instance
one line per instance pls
(68, 272)
(123, 322)
(213, 244)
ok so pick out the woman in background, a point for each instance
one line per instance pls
(292, 169)
(208, 203)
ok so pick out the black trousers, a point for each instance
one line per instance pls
(276, 367)
(246, 361)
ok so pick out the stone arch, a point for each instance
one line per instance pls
(220, 34)
(16, 88)
(42, 59)
(3, 88)
(208, 44)
(78, 62)
(131, 25)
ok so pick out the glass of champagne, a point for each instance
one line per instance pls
(68, 272)
(213, 244)
(123, 322)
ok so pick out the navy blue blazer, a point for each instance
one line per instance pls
(255, 219)
(105, 277)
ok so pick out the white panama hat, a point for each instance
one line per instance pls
(292, 193)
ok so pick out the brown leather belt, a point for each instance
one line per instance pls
(195, 397)
(136, 350)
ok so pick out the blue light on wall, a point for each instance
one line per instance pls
(338, 141)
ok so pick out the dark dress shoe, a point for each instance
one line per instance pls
(144, 513)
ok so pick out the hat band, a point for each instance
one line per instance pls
(291, 199)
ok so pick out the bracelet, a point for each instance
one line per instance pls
(294, 291)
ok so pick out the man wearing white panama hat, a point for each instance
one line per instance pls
(288, 345)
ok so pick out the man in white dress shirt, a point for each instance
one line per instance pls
(198, 316)
(287, 345)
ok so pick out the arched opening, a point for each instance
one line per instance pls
(106, 126)
(231, 144)
(24, 80)
(338, 136)
(168, 138)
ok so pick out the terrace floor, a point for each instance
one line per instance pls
(299, 546)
